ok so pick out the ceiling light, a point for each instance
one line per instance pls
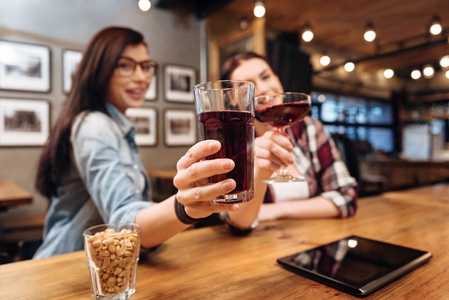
(428, 71)
(322, 98)
(388, 73)
(325, 60)
(307, 34)
(435, 26)
(349, 66)
(416, 74)
(444, 61)
(370, 34)
(447, 74)
(144, 5)
(243, 23)
(259, 9)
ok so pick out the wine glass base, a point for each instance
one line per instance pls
(284, 178)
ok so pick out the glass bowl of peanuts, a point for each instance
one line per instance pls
(112, 252)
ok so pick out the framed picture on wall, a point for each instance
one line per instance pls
(151, 94)
(24, 122)
(70, 61)
(24, 67)
(145, 120)
(178, 83)
(179, 127)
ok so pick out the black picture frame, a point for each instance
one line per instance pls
(25, 67)
(180, 127)
(24, 122)
(179, 82)
(70, 61)
(145, 120)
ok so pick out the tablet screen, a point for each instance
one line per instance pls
(354, 264)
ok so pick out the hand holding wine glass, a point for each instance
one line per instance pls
(281, 111)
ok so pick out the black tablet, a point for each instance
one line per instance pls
(355, 265)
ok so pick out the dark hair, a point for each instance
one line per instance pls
(88, 92)
(236, 60)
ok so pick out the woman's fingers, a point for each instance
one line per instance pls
(205, 209)
(193, 170)
(196, 174)
(274, 147)
(193, 179)
(206, 192)
(197, 152)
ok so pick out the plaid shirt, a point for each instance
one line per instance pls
(317, 158)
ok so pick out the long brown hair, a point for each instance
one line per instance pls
(88, 92)
(236, 60)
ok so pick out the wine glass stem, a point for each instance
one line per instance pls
(283, 169)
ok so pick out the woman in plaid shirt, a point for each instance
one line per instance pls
(329, 189)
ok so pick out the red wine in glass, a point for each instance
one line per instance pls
(235, 131)
(281, 111)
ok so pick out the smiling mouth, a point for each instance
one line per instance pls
(136, 93)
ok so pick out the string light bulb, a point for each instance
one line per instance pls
(388, 73)
(144, 5)
(243, 23)
(325, 60)
(435, 26)
(370, 34)
(428, 71)
(349, 66)
(259, 8)
(321, 98)
(415, 74)
(444, 61)
(307, 34)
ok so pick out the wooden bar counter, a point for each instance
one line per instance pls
(403, 173)
(12, 195)
(207, 263)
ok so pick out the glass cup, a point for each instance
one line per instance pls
(225, 112)
(112, 252)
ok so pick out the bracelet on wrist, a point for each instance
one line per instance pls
(181, 214)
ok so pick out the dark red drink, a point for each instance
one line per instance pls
(235, 131)
(282, 115)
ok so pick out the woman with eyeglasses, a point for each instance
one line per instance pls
(91, 170)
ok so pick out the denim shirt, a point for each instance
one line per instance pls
(104, 186)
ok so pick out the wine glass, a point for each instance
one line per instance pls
(281, 111)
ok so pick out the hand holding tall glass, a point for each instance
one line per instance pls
(226, 113)
(281, 111)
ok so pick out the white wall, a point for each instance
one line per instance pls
(63, 24)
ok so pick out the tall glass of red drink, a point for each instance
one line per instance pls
(225, 112)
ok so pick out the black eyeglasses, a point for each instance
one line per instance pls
(127, 66)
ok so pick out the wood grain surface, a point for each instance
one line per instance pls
(207, 263)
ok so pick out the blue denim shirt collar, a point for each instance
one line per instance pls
(123, 122)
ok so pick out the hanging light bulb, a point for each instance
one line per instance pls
(259, 9)
(416, 74)
(349, 66)
(428, 71)
(321, 98)
(243, 23)
(370, 34)
(435, 26)
(325, 60)
(144, 5)
(388, 73)
(307, 34)
(444, 61)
